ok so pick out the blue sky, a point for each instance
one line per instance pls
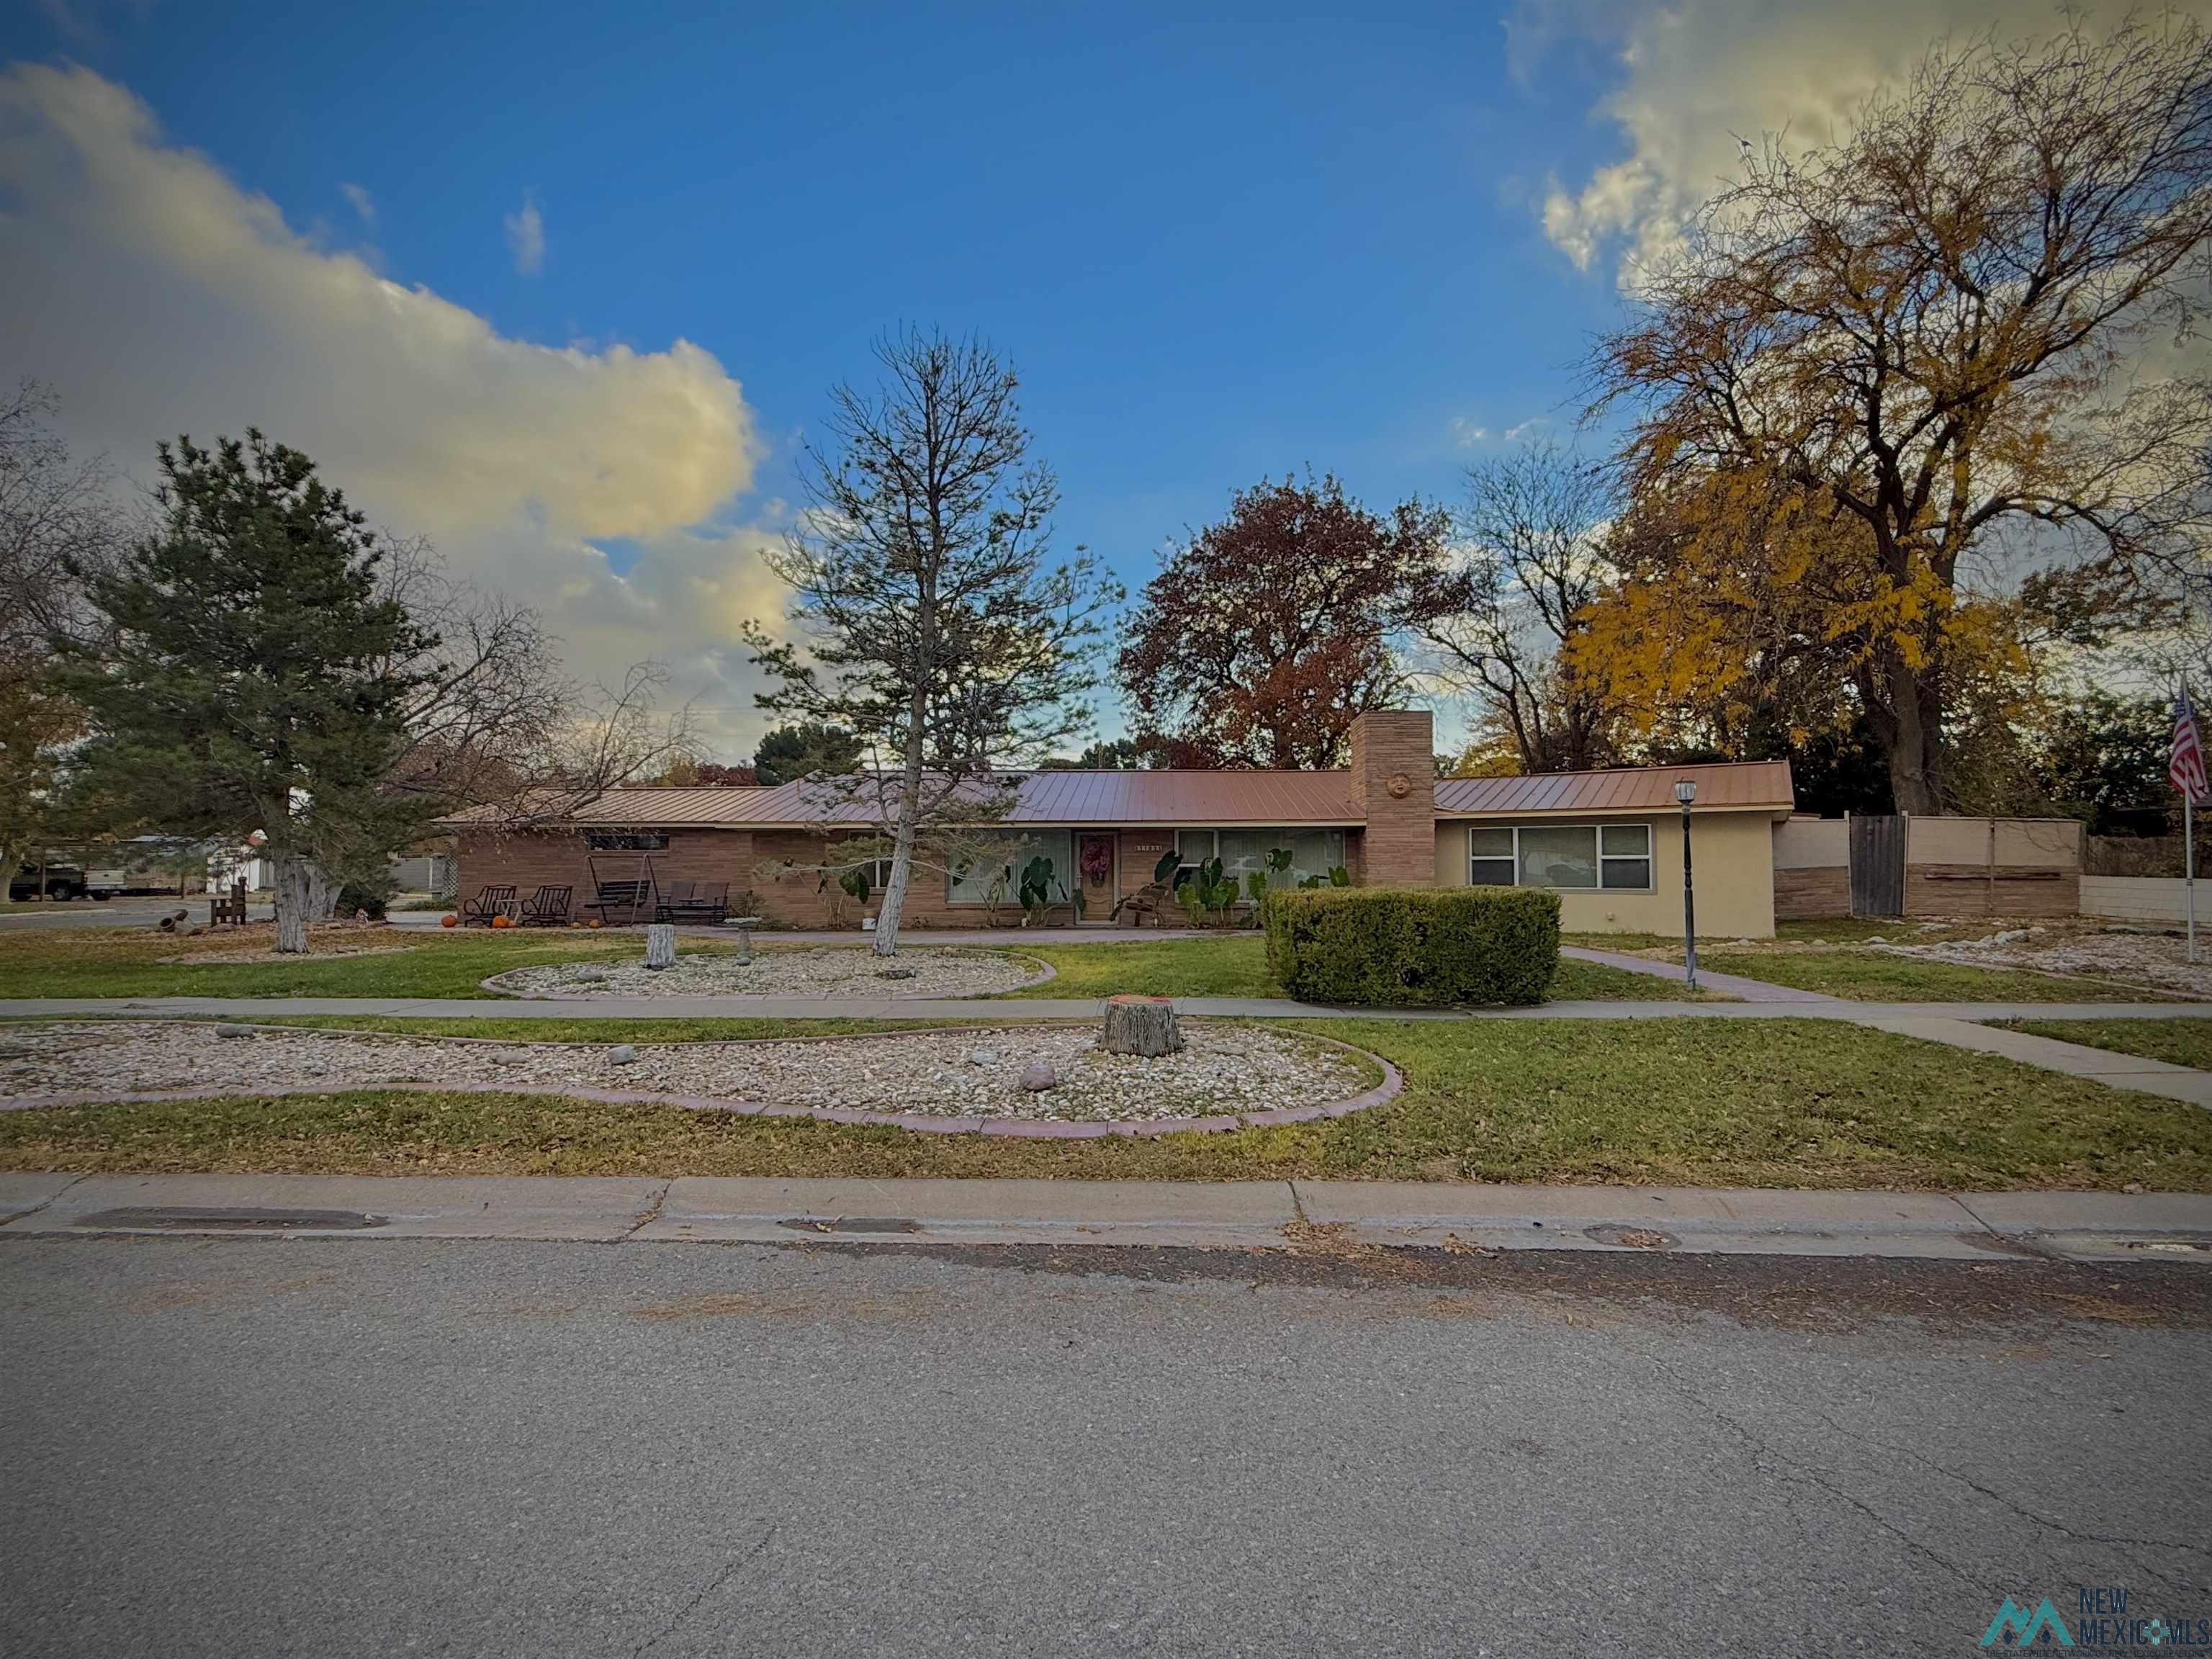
(1221, 243)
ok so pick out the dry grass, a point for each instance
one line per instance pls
(1692, 1102)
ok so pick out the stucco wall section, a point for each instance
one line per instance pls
(1732, 853)
(1813, 844)
(2157, 899)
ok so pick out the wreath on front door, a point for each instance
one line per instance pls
(1098, 861)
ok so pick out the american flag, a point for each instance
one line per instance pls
(2185, 764)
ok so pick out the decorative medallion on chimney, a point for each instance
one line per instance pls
(1400, 787)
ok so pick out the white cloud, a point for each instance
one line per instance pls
(1700, 75)
(159, 296)
(1535, 422)
(526, 236)
(1465, 433)
(363, 204)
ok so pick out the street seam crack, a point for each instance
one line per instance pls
(1765, 1457)
(2026, 1514)
(729, 1568)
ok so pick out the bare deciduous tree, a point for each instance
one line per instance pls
(1533, 563)
(928, 623)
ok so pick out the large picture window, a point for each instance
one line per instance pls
(1566, 857)
(626, 842)
(1313, 852)
(1002, 868)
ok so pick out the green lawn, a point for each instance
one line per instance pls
(1236, 965)
(130, 963)
(2177, 1041)
(1792, 1103)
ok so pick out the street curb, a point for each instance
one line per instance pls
(2105, 1228)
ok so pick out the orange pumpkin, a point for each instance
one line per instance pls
(593, 922)
(500, 921)
(449, 921)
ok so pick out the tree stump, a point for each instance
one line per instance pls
(660, 946)
(1140, 1026)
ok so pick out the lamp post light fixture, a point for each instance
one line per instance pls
(1686, 791)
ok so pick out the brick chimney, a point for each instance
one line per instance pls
(1393, 778)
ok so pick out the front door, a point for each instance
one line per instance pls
(1097, 860)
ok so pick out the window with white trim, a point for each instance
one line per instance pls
(1614, 858)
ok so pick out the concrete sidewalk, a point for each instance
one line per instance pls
(1299, 1215)
(715, 1007)
(1733, 985)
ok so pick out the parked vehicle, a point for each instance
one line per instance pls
(63, 881)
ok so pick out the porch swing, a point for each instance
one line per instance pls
(625, 889)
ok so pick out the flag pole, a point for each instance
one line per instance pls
(2189, 864)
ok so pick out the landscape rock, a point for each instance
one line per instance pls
(981, 1057)
(623, 1054)
(1224, 1069)
(782, 970)
(233, 1031)
(1038, 1076)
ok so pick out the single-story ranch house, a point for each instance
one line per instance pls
(1608, 843)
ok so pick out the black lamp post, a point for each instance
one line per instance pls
(1686, 791)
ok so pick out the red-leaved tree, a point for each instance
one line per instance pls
(1264, 636)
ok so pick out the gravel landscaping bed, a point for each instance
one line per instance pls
(1223, 1069)
(2149, 959)
(827, 970)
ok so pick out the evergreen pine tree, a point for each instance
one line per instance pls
(251, 677)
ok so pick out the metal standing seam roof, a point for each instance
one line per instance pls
(1068, 797)
(1077, 798)
(1732, 786)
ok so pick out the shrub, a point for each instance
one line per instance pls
(1414, 947)
(372, 895)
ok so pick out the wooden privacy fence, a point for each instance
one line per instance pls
(1881, 864)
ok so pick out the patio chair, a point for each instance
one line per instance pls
(696, 902)
(1147, 901)
(547, 908)
(490, 902)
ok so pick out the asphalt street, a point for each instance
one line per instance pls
(248, 1446)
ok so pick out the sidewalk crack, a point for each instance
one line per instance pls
(652, 1214)
(73, 1181)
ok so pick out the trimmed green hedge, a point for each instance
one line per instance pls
(1410, 947)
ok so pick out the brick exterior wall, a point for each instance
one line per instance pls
(1812, 894)
(1965, 890)
(1399, 847)
(532, 859)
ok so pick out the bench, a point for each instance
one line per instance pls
(695, 900)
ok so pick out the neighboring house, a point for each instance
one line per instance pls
(1609, 842)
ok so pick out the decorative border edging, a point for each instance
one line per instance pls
(922, 1122)
(1045, 978)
